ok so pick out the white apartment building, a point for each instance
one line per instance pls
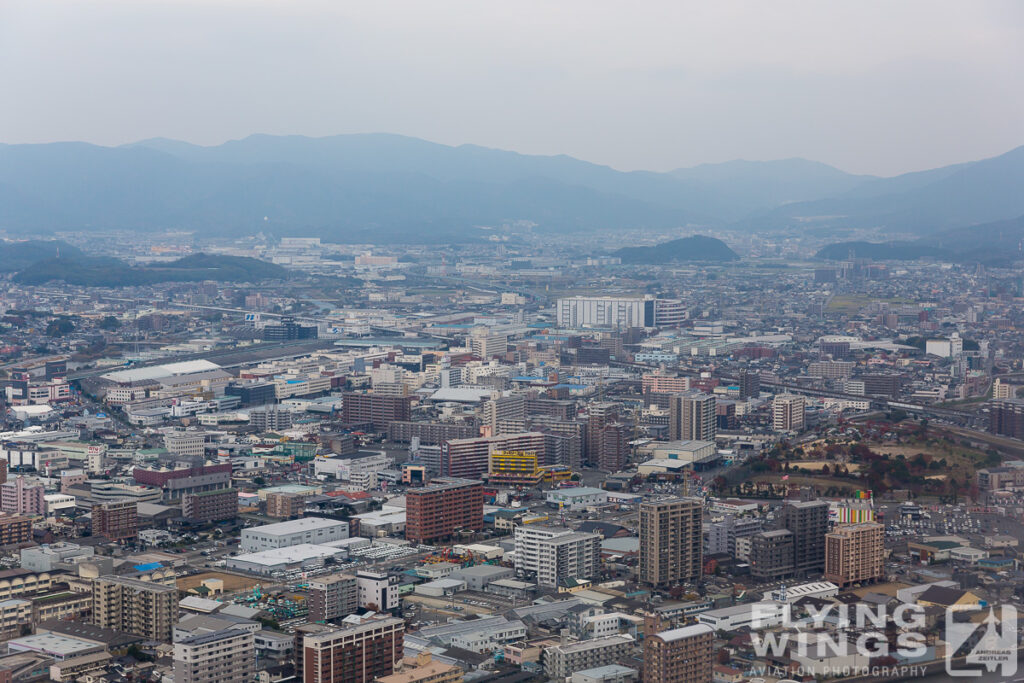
(227, 656)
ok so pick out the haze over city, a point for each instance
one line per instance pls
(877, 88)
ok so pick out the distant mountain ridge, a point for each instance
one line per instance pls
(103, 271)
(695, 248)
(381, 188)
(997, 243)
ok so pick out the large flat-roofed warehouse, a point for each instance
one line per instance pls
(303, 556)
(284, 534)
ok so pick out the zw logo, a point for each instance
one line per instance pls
(990, 642)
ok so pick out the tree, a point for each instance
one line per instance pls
(110, 323)
(60, 328)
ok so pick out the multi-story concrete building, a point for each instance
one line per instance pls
(227, 656)
(566, 557)
(332, 597)
(15, 529)
(720, 537)
(20, 497)
(771, 555)
(180, 481)
(671, 541)
(374, 409)
(561, 661)
(788, 412)
(808, 520)
(210, 506)
(468, 458)
(750, 384)
(314, 530)
(270, 418)
(682, 655)
(144, 608)
(601, 311)
(437, 511)
(430, 433)
(855, 553)
(692, 416)
(118, 520)
(377, 591)
(555, 554)
(286, 504)
(185, 443)
(359, 653)
(1006, 417)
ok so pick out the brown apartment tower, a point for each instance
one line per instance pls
(671, 543)
(355, 654)
(855, 553)
(435, 512)
(118, 520)
(682, 655)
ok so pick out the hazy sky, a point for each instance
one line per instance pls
(872, 87)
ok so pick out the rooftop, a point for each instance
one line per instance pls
(295, 526)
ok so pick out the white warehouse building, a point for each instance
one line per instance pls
(312, 530)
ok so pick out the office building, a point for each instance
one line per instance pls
(180, 481)
(184, 443)
(594, 311)
(359, 653)
(671, 541)
(311, 530)
(145, 608)
(561, 661)
(226, 656)
(692, 416)
(682, 655)
(788, 413)
(855, 553)
(117, 520)
(446, 506)
(253, 393)
(486, 343)
(289, 330)
(771, 555)
(210, 506)
(332, 597)
(376, 410)
(808, 520)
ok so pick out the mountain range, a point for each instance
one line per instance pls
(380, 187)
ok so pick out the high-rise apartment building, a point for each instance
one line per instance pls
(750, 384)
(555, 554)
(771, 555)
(788, 412)
(808, 520)
(435, 512)
(145, 608)
(117, 520)
(1006, 417)
(358, 653)
(15, 529)
(671, 541)
(468, 458)
(374, 409)
(664, 384)
(20, 497)
(227, 656)
(332, 597)
(682, 655)
(692, 417)
(486, 343)
(210, 506)
(855, 553)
